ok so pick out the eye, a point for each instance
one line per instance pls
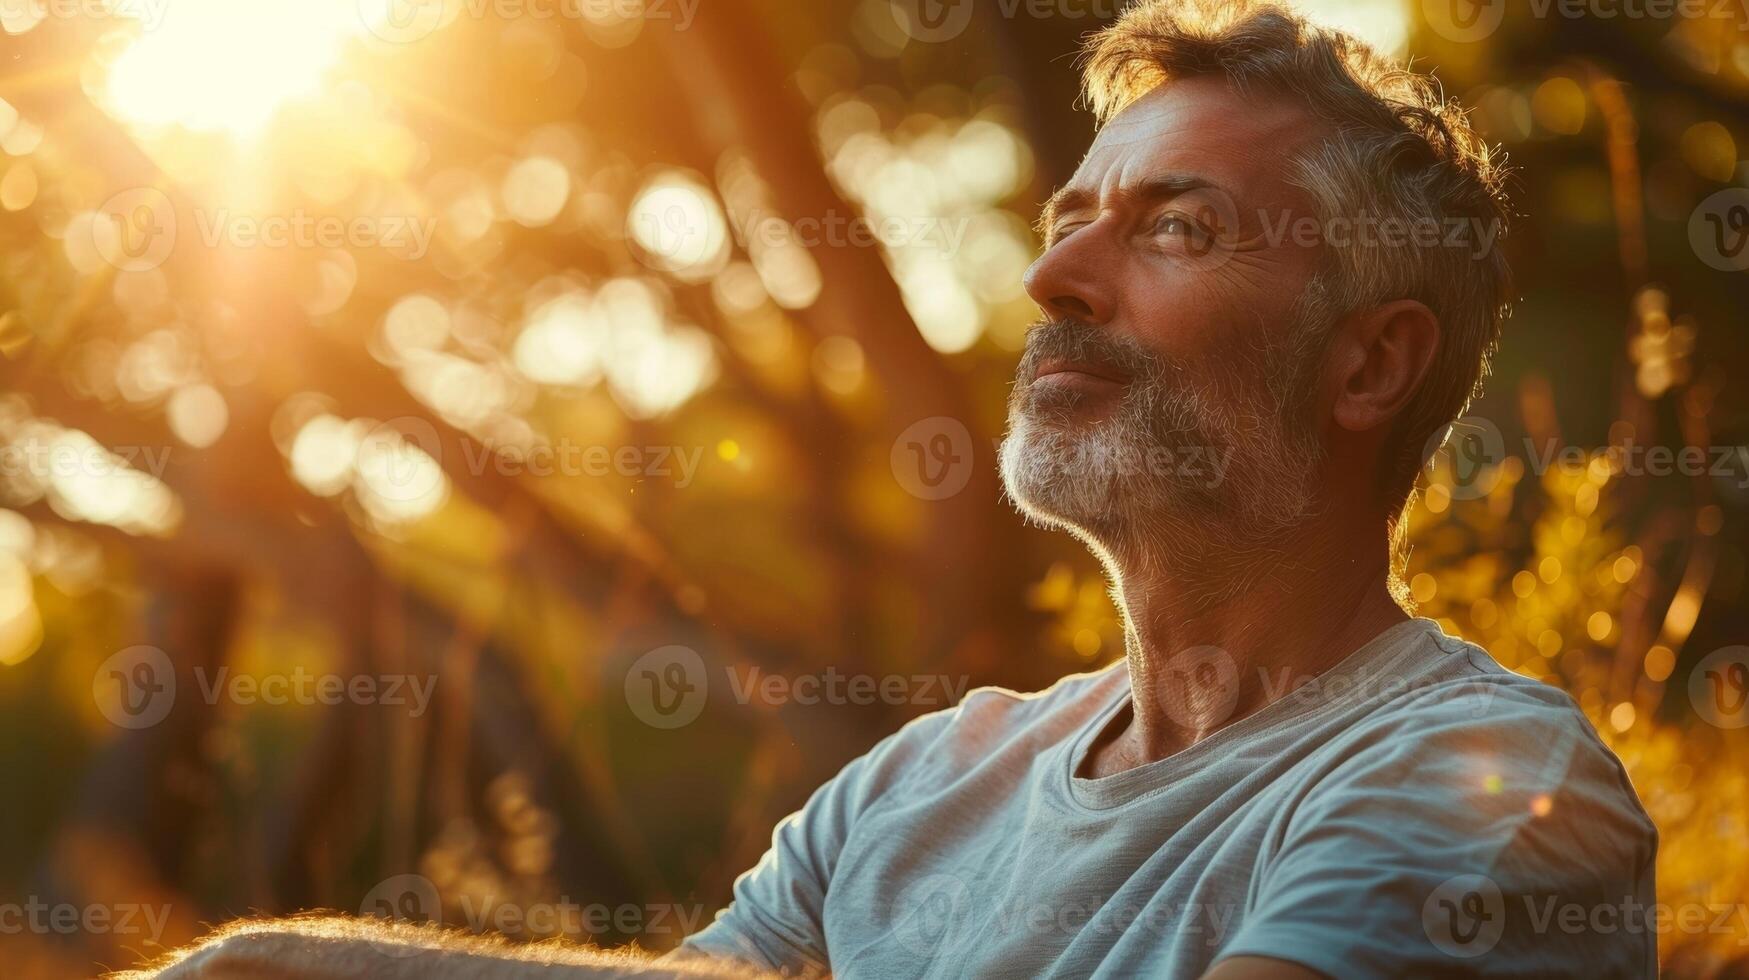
(1181, 228)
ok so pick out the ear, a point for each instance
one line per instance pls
(1379, 358)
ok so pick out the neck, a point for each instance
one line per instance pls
(1211, 641)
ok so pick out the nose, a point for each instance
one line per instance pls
(1075, 278)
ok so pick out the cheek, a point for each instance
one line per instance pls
(1186, 318)
(1250, 300)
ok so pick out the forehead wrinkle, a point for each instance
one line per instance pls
(1186, 128)
(1201, 124)
(1164, 184)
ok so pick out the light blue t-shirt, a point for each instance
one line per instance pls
(1417, 811)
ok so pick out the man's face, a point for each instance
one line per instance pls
(1172, 380)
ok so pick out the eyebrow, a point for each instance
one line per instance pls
(1160, 187)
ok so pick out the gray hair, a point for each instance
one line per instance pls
(1401, 156)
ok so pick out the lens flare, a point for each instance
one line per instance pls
(221, 65)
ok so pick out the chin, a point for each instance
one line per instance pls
(1045, 475)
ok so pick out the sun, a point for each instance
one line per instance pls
(228, 65)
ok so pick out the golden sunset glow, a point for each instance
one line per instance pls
(229, 66)
(510, 349)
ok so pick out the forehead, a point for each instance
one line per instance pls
(1241, 143)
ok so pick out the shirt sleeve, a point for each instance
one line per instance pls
(775, 920)
(1501, 838)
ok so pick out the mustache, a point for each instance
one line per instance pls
(1071, 340)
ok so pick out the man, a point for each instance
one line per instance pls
(1258, 324)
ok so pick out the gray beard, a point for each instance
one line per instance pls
(1173, 470)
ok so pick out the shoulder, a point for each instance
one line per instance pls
(989, 720)
(1470, 705)
(1453, 815)
(1473, 741)
(999, 710)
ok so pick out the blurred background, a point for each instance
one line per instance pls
(459, 457)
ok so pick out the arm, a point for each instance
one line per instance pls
(339, 948)
(777, 918)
